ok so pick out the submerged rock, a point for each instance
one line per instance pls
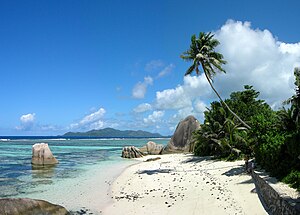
(131, 152)
(25, 206)
(42, 155)
(182, 140)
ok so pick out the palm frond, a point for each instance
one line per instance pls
(190, 70)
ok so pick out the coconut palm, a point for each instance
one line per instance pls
(202, 53)
(295, 100)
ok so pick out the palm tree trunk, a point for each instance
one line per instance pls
(224, 103)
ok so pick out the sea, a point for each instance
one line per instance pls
(18, 178)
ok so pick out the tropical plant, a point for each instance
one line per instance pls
(233, 140)
(295, 100)
(202, 52)
(207, 139)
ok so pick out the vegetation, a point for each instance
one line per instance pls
(272, 137)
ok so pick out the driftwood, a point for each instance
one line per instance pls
(152, 159)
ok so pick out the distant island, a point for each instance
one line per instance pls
(113, 133)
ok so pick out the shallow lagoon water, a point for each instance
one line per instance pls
(18, 178)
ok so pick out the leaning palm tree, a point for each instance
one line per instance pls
(202, 53)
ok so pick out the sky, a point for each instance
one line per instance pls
(82, 65)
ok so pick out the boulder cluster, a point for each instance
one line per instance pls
(181, 142)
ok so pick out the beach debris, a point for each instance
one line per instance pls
(130, 197)
(42, 155)
(152, 159)
(182, 139)
(26, 206)
(131, 152)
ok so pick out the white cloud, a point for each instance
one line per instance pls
(200, 106)
(93, 116)
(27, 118)
(91, 121)
(183, 95)
(142, 108)
(27, 121)
(153, 65)
(140, 89)
(257, 58)
(154, 117)
(167, 70)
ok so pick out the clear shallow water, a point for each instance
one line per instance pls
(19, 177)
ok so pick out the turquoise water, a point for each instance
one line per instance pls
(19, 177)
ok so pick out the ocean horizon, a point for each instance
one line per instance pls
(76, 156)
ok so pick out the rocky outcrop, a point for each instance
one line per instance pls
(182, 140)
(25, 206)
(151, 148)
(131, 152)
(42, 155)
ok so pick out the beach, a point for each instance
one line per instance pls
(184, 184)
(88, 192)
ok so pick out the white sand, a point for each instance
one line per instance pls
(183, 184)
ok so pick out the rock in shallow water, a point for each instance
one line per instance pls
(42, 155)
(25, 206)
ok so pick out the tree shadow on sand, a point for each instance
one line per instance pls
(154, 171)
(196, 159)
(235, 171)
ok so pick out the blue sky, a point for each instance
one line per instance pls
(81, 65)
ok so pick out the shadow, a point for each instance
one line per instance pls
(196, 159)
(155, 171)
(43, 171)
(234, 171)
(250, 181)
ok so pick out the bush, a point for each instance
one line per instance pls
(293, 179)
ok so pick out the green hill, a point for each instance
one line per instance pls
(114, 133)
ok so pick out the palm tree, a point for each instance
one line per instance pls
(295, 100)
(202, 53)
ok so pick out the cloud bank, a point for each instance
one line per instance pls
(257, 58)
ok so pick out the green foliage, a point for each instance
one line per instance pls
(295, 101)
(221, 135)
(293, 178)
(202, 52)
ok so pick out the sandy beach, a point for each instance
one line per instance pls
(184, 184)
